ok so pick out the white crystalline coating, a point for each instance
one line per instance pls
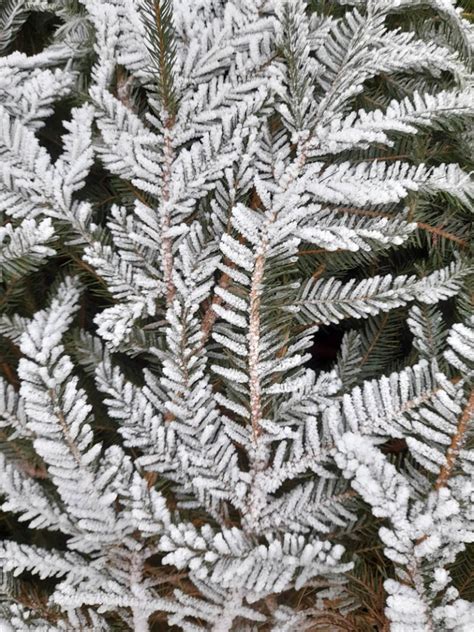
(461, 347)
(230, 374)
(183, 424)
(25, 247)
(30, 94)
(332, 301)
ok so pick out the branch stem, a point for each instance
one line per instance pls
(254, 343)
(167, 242)
(456, 443)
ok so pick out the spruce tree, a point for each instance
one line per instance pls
(236, 330)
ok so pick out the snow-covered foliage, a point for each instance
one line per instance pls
(233, 177)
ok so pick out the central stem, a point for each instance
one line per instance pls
(140, 621)
(456, 442)
(167, 243)
(257, 498)
(140, 612)
(254, 343)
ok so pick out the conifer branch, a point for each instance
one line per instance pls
(441, 232)
(161, 38)
(457, 441)
(254, 342)
(237, 212)
(167, 245)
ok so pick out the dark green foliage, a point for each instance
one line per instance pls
(159, 23)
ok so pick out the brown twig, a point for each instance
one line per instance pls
(254, 343)
(456, 442)
(210, 315)
(436, 230)
(9, 374)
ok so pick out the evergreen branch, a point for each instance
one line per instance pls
(161, 39)
(383, 183)
(426, 324)
(435, 230)
(441, 232)
(330, 301)
(259, 157)
(374, 339)
(25, 247)
(167, 244)
(254, 343)
(457, 440)
(385, 405)
(460, 352)
(13, 15)
(298, 109)
(210, 315)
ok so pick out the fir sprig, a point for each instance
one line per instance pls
(236, 339)
(161, 41)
